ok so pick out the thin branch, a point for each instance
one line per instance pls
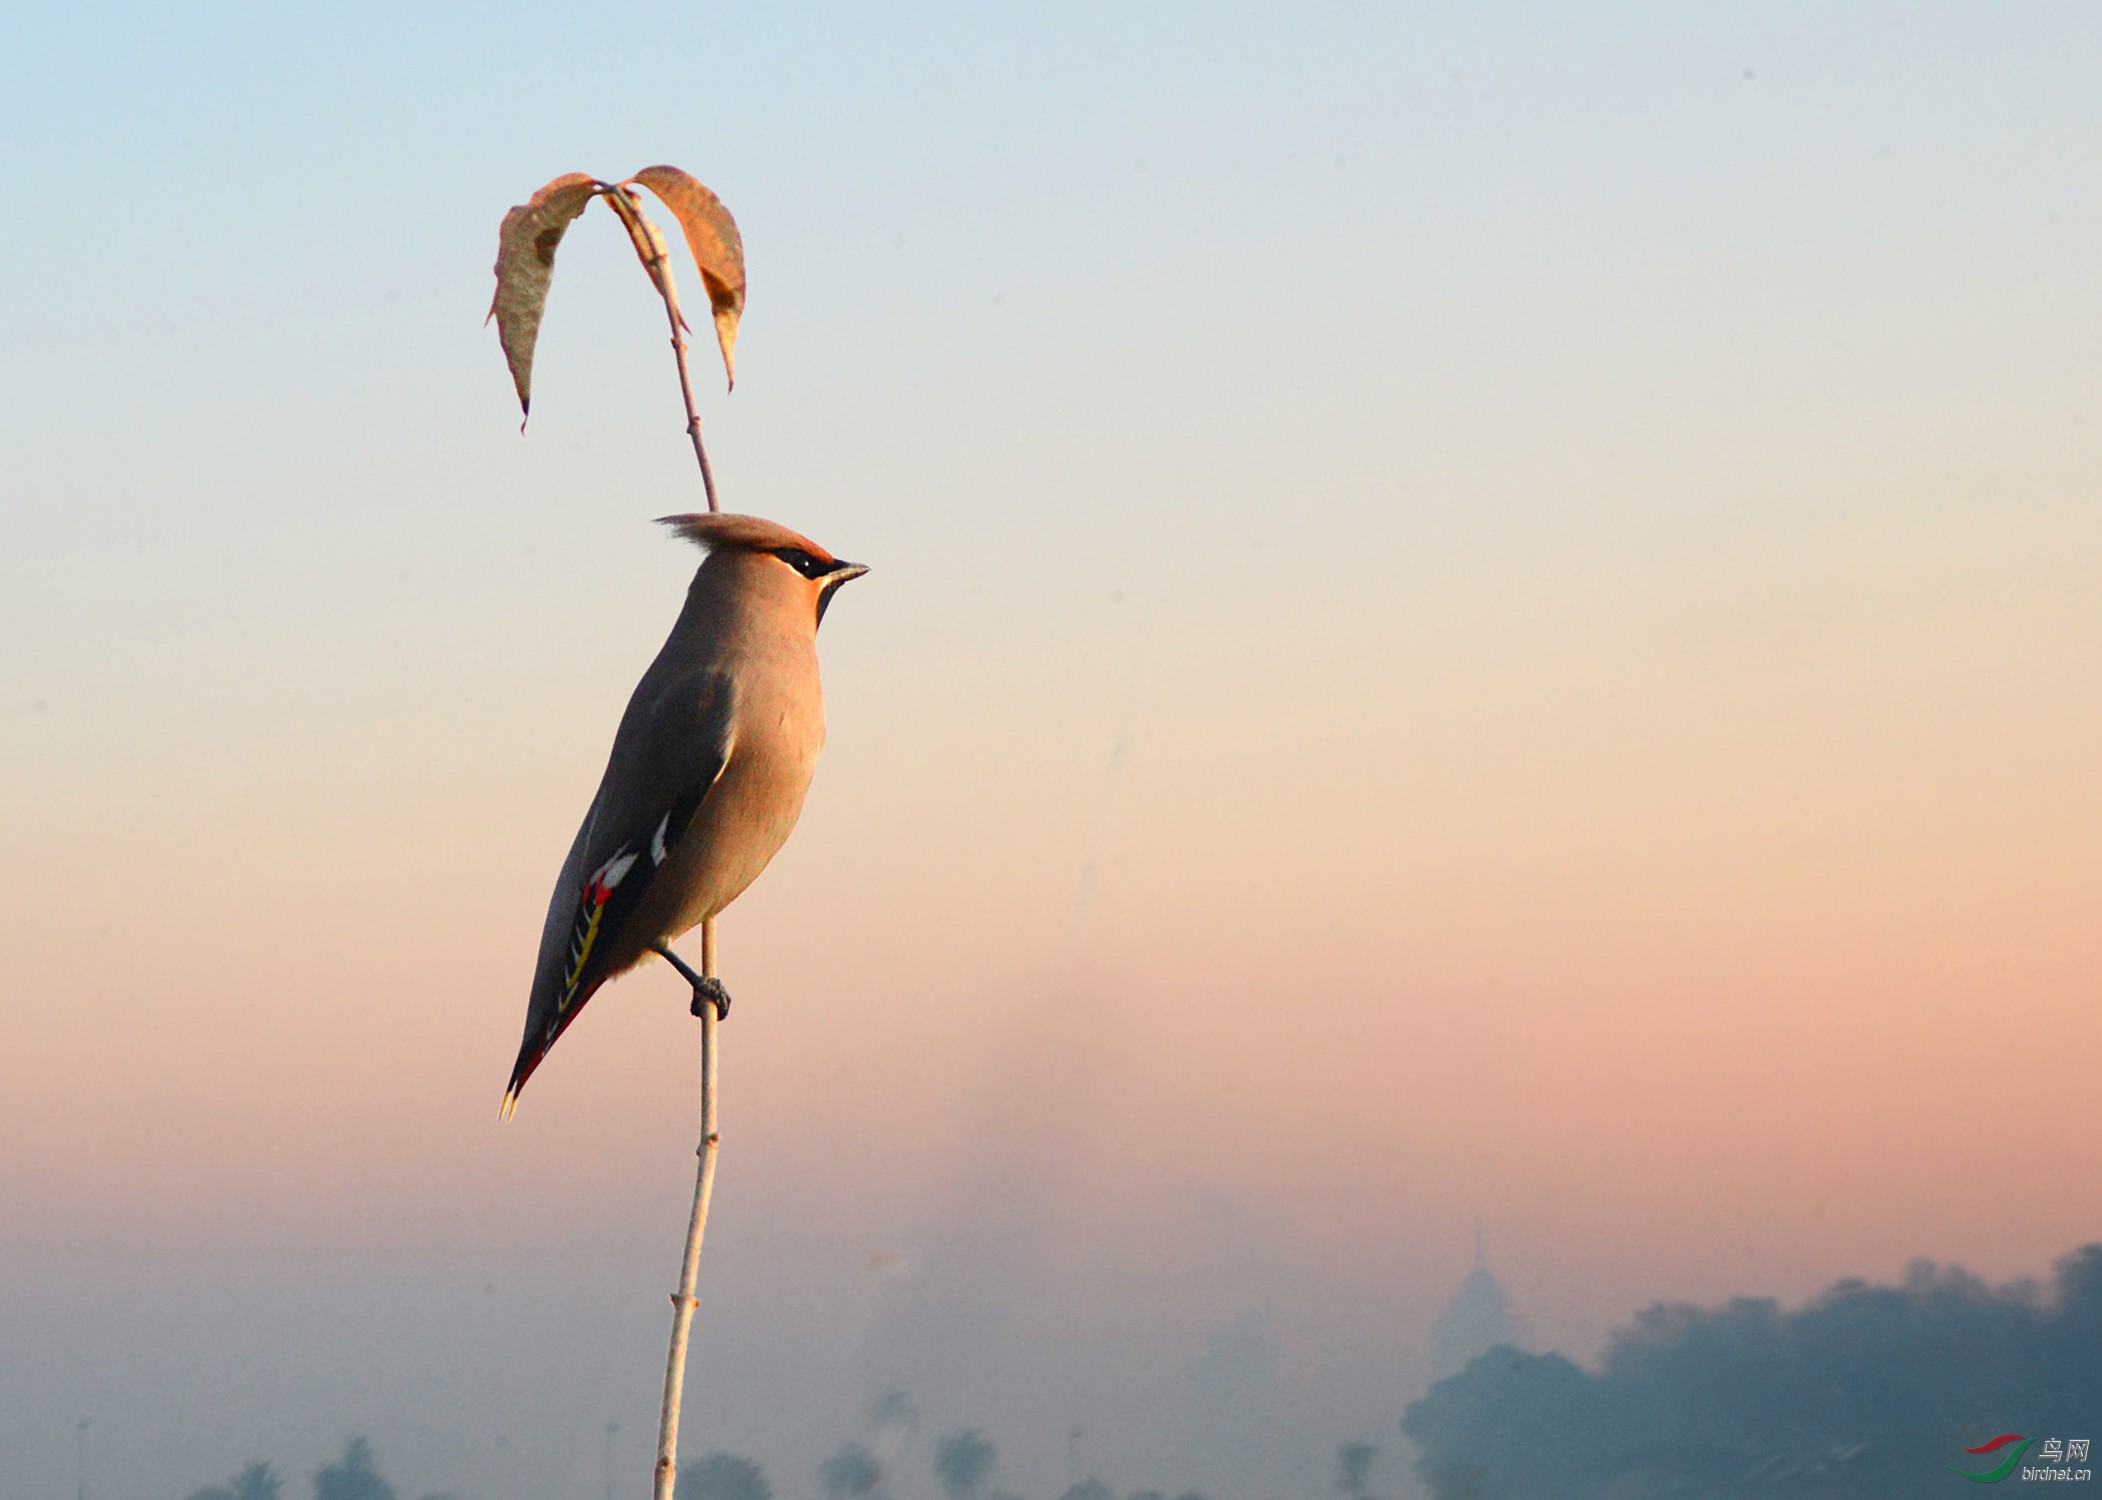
(650, 246)
(693, 417)
(683, 1300)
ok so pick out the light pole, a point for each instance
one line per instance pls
(80, 1457)
(611, 1428)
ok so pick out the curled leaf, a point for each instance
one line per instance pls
(711, 234)
(525, 265)
(649, 245)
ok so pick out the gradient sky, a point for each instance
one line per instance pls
(1479, 612)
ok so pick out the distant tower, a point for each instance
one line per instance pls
(1478, 1318)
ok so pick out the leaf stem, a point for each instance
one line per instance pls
(649, 245)
(693, 418)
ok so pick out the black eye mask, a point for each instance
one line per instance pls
(803, 562)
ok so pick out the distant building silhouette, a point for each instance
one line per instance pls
(1478, 1318)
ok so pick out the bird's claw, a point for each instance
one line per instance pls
(707, 989)
(710, 991)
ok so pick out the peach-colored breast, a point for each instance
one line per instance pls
(749, 814)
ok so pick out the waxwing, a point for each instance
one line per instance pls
(707, 775)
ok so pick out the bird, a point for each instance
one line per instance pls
(707, 774)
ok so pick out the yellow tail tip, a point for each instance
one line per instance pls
(510, 1105)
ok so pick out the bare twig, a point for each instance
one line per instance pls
(526, 244)
(649, 244)
(683, 1300)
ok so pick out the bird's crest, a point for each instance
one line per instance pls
(715, 530)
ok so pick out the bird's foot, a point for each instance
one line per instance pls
(707, 989)
(710, 991)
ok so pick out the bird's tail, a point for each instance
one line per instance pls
(540, 1035)
(520, 1072)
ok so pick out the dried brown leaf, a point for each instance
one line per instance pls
(711, 234)
(649, 245)
(525, 265)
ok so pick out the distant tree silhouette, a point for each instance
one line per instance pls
(353, 1476)
(853, 1470)
(1089, 1488)
(1866, 1393)
(1354, 1468)
(963, 1461)
(256, 1481)
(723, 1476)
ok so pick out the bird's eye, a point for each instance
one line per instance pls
(800, 560)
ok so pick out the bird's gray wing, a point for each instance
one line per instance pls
(673, 743)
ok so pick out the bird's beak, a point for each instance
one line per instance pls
(845, 572)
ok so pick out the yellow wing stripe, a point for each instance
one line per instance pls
(576, 967)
